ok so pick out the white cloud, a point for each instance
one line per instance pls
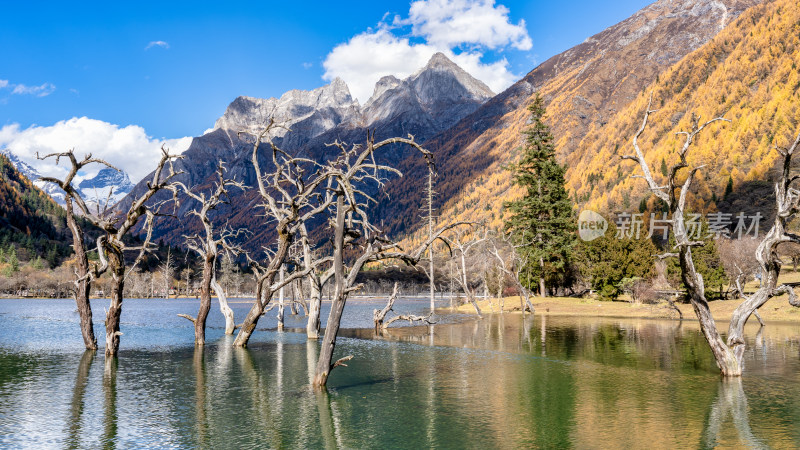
(129, 148)
(21, 89)
(307, 65)
(162, 44)
(451, 23)
(470, 26)
(37, 91)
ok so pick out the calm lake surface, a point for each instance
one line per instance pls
(505, 381)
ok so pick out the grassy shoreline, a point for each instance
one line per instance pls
(776, 310)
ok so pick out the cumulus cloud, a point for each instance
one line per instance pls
(129, 148)
(450, 23)
(162, 44)
(21, 89)
(461, 29)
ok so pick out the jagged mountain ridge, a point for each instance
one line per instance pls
(422, 105)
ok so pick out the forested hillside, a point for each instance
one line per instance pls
(748, 74)
(31, 223)
(585, 89)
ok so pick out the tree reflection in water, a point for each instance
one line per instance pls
(78, 401)
(731, 401)
(110, 418)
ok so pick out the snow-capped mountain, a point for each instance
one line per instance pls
(108, 185)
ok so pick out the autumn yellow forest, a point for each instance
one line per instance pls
(748, 74)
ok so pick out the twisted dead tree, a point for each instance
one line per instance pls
(787, 200)
(354, 232)
(291, 195)
(110, 245)
(379, 315)
(512, 263)
(316, 281)
(462, 244)
(728, 355)
(208, 247)
(83, 273)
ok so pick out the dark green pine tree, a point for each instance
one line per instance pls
(542, 221)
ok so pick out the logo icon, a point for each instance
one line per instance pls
(591, 225)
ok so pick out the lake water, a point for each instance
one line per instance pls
(504, 382)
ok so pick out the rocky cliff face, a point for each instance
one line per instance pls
(314, 111)
(441, 90)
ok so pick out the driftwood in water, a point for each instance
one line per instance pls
(379, 314)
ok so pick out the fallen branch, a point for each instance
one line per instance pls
(341, 362)
(410, 318)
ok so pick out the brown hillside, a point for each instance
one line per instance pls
(584, 87)
(748, 74)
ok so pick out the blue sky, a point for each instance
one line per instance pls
(169, 69)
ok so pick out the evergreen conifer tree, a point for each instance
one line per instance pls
(542, 220)
(13, 262)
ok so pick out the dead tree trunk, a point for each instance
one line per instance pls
(691, 279)
(111, 246)
(281, 301)
(290, 198)
(116, 262)
(316, 282)
(205, 301)
(379, 314)
(83, 274)
(83, 282)
(226, 310)
(353, 229)
(324, 365)
(787, 199)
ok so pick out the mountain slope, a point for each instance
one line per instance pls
(748, 74)
(29, 218)
(583, 88)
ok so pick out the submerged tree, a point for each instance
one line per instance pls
(83, 274)
(464, 245)
(542, 220)
(727, 354)
(291, 195)
(208, 247)
(354, 233)
(110, 245)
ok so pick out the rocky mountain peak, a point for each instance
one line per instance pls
(439, 60)
(292, 107)
(441, 90)
(384, 84)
